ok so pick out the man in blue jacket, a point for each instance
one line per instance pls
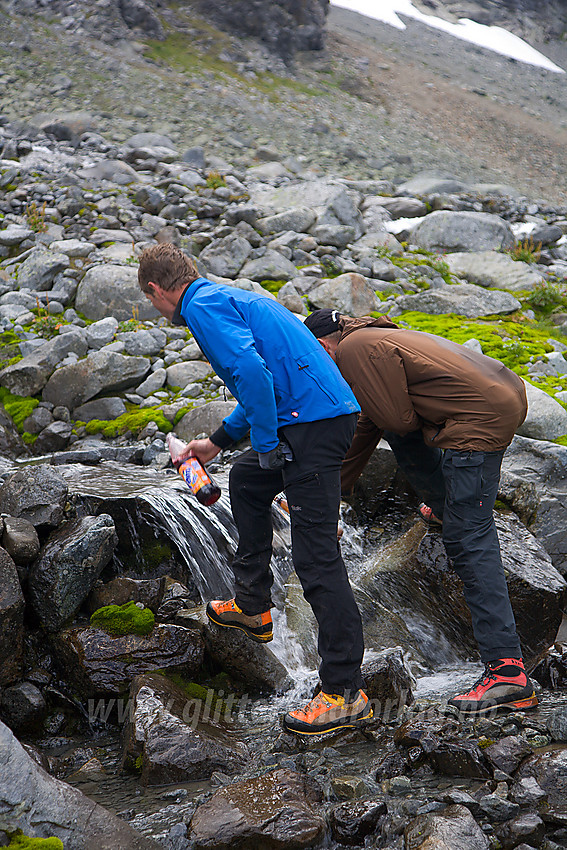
(301, 416)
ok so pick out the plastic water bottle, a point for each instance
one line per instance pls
(193, 472)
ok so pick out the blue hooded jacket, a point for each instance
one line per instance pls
(272, 364)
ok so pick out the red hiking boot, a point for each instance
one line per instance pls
(230, 616)
(503, 685)
(328, 713)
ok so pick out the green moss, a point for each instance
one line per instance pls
(125, 619)
(273, 286)
(181, 413)
(562, 441)
(25, 842)
(156, 553)
(138, 764)
(17, 406)
(133, 421)
(195, 691)
(510, 341)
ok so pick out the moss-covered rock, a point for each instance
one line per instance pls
(25, 842)
(124, 619)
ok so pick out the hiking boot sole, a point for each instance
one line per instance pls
(266, 637)
(335, 726)
(517, 705)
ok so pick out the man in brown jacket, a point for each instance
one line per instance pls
(448, 413)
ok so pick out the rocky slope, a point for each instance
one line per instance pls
(536, 21)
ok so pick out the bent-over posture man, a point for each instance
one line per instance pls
(448, 413)
(301, 415)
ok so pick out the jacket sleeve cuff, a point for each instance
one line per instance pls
(221, 438)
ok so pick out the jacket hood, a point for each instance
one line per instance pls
(348, 325)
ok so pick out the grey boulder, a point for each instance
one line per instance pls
(182, 374)
(112, 290)
(29, 375)
(100, 408)
(39, 269)
(464, 299)
(491, 268)
(444, 230)
(11, 622)
(35, 493)
(453, 828)
(226, 256)
(270, 266)
(205, 419)
(546, 419)
(100, 372)
(349, 293)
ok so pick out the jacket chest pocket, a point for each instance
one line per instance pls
(303, 365)
(463, 476)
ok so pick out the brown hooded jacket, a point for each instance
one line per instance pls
(408, 380)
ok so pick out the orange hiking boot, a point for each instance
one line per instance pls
(230, 616)
(428, 516)
(503, 685)
(327, 713)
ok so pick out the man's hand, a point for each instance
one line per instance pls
(205, 450)
(276, 458)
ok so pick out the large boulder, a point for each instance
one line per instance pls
(177, 737)
(270, 266)
(11, 621)
(100, 372)
(452, 829)
(413, 576)
(97, 663)
(226, 256)
(546, 418)
(534, 484)
(491, 268)
(271, 811)
(39, 269)
(36, 493)
(40, 805)
(349, 293)
(29, 375)
(11, 444)
(464, 299)
(182, 374)
(68, 567)
(111, 290)
(205, 419)
(463, 231)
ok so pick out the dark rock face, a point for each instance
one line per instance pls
(530, 19)
(22, 706)
(550, 772)
(37, 494)
(11, 621)
(285, 25)
(42, 806)
(455, 828)
(352, 822)
(388, 682)
(69, 565)
(11, 444)
(508, 753)
(269, 812)
(175, 735)
(96, 663)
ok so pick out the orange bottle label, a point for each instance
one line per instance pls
(194, 474)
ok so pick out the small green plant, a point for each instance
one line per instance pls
(125, 619)
(35, 217)
(545, 297)
(526, 251)
(215, 180)
(133, 324)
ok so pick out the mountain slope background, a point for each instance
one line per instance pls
(375, 102)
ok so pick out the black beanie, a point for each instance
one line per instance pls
(323, 322)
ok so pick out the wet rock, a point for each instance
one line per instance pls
(121, 590)
(175, 598)
(100, 372)
(454, 828)
(497, 808)
(271, 811)
(557, 724)
(11, 621)
(35, 493)
(550, 772)
(68, 567)
(42, 806)
(352, 822)
(20, 540)
(97, 663)
(111, 290)
(394, 763)
(526, 792)
(538, 470)
(528, 828)
(463, 231)
(508, 753)
(462, 798)
(349, 293)
(54, 438)
(205, 419)
(425, 730)
(388, 682)
(22, 706)
(252, 663)
(39, 269)
(176, 737)
(529, 571)
(460, 758)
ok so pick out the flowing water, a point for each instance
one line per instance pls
(205, 540)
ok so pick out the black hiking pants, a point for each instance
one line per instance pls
(312, 485)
